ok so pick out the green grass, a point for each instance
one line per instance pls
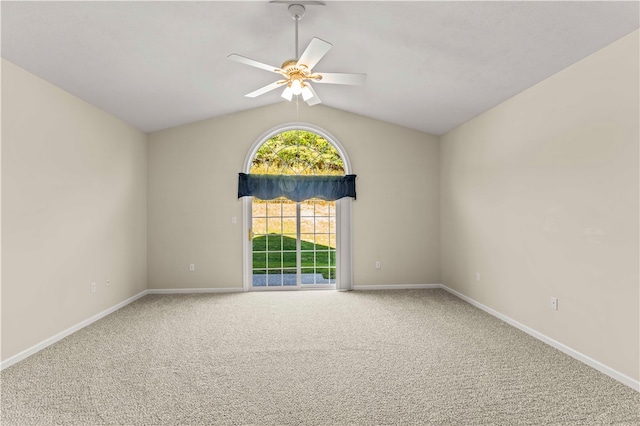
(281, 256)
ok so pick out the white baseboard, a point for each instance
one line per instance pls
(395, 286)
(194, 290)
(51, 340)
(622, 378)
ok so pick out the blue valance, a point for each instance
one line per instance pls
(296, 188)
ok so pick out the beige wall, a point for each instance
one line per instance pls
(540, 195)
(192, 175)
(73, 210)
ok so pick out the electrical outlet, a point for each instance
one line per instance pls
(553, 303)
(378, 265)
(94, 287)
(477, 276)
(234, 219)
(192, 267)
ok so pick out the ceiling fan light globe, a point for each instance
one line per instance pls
(306, 93)
(296, 87)
(287, 93)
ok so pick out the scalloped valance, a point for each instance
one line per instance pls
(296, 187)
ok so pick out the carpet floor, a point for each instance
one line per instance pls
(398, 357)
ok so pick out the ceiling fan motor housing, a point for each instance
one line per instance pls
(294, 71)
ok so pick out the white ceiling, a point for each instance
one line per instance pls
(431, 65)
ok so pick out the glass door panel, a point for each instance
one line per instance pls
(274, 226)
(294, 244)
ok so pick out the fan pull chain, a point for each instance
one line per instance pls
(298, 124)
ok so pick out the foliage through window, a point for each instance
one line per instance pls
(297, 152)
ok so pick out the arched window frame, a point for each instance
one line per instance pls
(344, 279)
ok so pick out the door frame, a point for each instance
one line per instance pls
(344, 261)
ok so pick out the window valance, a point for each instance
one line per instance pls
(296, 188)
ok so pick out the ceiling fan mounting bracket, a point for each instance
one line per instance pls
(296, 11)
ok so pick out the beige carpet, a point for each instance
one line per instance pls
(406, 357)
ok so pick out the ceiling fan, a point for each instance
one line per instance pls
(298, 73)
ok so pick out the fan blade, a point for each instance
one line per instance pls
(341, 78)
(314, 99)
(314, 52)
(265, 89)
(252, 63)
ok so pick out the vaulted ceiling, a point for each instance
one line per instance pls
(430, 66)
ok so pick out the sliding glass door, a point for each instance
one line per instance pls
(293, 243)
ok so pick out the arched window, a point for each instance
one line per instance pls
(297, 242)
